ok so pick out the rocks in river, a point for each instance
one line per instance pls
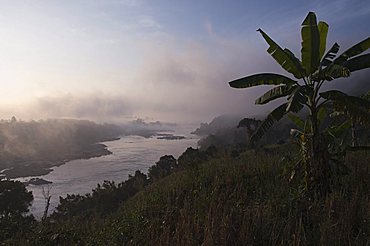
(167, 136)
(37, 181)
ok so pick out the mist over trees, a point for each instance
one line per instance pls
(228, 132)
(55, 140)
(30, 148)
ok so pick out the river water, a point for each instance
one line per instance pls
(130, 153)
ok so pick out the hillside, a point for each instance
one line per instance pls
(224, 200)
(229, 132)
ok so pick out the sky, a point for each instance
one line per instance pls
(116, 60)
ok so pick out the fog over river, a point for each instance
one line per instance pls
(130, 153)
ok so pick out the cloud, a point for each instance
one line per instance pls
(178, 82)
(188, 81)
(86, 106)
(97, 106)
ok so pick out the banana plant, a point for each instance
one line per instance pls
(303, 90)
(356, 111)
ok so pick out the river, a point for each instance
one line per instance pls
(130, 153)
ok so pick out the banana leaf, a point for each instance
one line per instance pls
(358, 63)
(330, 55)
(356, 108)
(353, 51)
(297, 120)
(261, 79)
(310, 44)
(296, 100)
(323, 32)
(274, 93)
(285, 58)
(276, 115)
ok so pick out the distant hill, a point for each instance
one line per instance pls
(31, 148)
(218, 123)
(147, 129)
(223, 132)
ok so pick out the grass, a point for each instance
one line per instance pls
(245, 200)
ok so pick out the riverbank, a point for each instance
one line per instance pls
(130, 153)
(43, 167)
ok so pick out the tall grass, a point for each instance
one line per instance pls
(243, 200)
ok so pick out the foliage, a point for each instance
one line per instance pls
(104, 199)
(311, 72)
(14, 203)
(162, 168)
(14, 199)
(228, 201)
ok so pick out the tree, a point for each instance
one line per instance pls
(313, 70)
(47, 197)
(162, 168)
(14, 199)
(14, 203)
(250, 125)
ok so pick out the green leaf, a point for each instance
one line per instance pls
(310, 44)
(327, 66)
(338, 95)
(284, 57)
(296, 62)
(276, 115)
(334, 71)
(358, 63)
(339, 130)
(297, 120)
(321, 114)
(261, 79)
(274, 93)
(353, 51)
(296, 100)
(330, 55)
(323, 32)
(355, 108)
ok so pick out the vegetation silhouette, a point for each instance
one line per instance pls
(14, 203)
(311, 72)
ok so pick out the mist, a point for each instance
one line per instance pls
(110, 67)
(182, 89)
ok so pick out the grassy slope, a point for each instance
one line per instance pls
(245, 200)
(231, 201)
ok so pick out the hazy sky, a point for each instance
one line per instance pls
(164, 60)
